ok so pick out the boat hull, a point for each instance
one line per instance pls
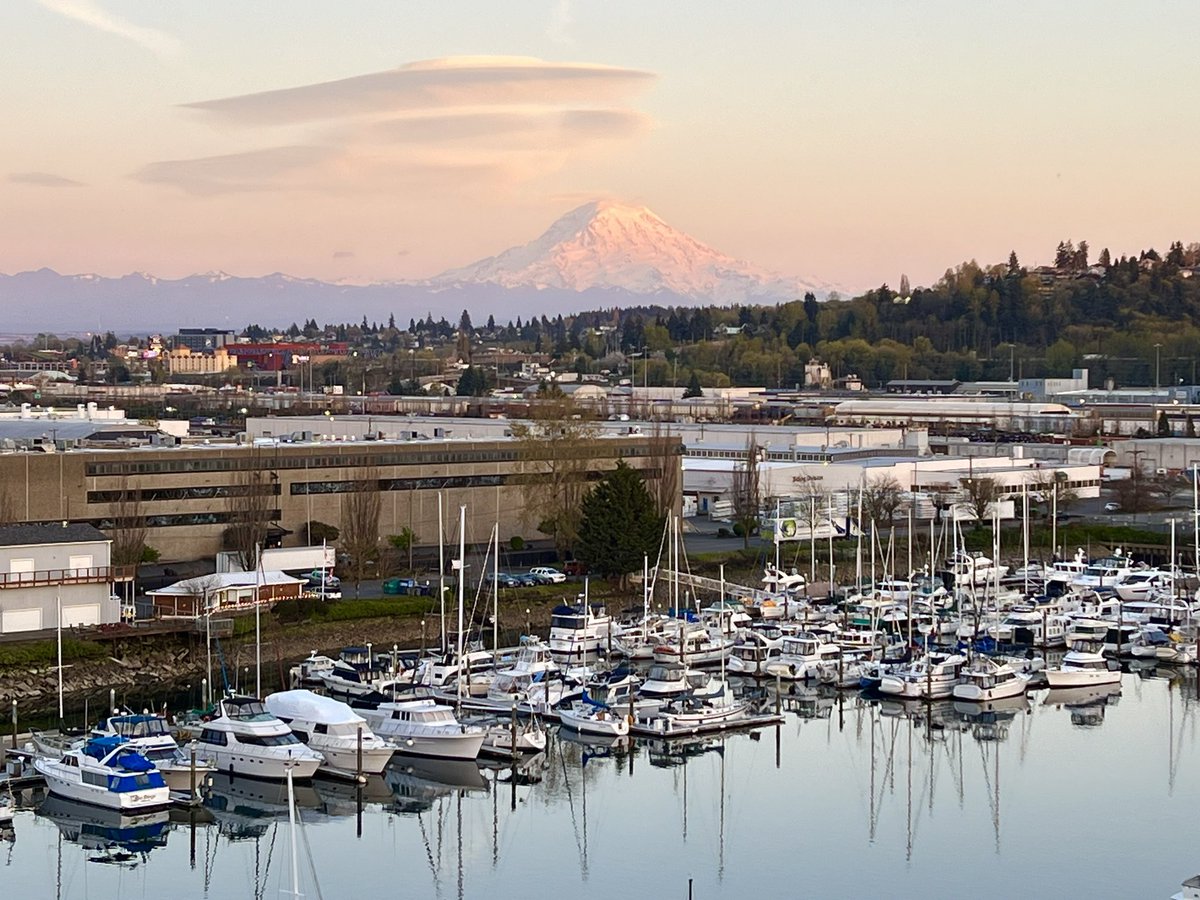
(1065, 678)
(144, 800)
(341, 760)
(450, 746)
(273, 768)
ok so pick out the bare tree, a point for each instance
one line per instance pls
(250, 506)
(555, 444)
(129, 527)
(745, 492)
(1049, 488)
(882, 497)
(980, 494)
(665, 452)
(360, 524)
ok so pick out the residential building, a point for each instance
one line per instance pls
(64, 569)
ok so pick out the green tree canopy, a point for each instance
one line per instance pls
(620, 524)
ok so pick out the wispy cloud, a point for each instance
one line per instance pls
(464, 124)
(88, 12)
(432, 84)
(43, 179)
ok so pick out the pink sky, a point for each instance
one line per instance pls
(390, 141)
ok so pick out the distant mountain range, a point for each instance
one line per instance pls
(601, 255)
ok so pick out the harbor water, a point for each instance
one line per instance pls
(1079, 794)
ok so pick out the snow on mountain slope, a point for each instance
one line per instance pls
(604, 244)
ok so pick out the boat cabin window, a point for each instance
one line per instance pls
(247, 710)
(321, 728)
(269, 740)
(98, 779)
(140, 726)
(212, 736)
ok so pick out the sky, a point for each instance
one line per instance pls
(379, 140)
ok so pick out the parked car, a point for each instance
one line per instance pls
(325, 593)
(409, 586)
(318, 577)
(508, 581)
(575, 567)
(548, 575)
(528, 580)
(1112, 506)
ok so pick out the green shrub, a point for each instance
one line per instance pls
(44, 653)
(516, 542)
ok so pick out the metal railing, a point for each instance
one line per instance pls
(54, 577)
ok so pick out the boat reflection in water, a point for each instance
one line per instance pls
(1086, 704)
(109, 836)
(417, 782)
(245, 807)
(341, 798)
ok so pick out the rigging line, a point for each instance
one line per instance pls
(437, 887)
(562, 758)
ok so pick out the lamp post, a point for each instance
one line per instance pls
(1157, 348)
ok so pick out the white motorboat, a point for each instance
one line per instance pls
(244, 738)
(667, 680)
(694, 645)
(1104, 574)
(802, 656)
(1162, 646)
(150, 736)
(529, 735)
(440, 671)
(776, 581)
(933, 677)
(1031, 625)
(333, 729)
(1141, 584)
(311, 672)
(974, 570)
(588, 717)
(986, 680)
(105, 771)
(1082, 666)
(426, 728)
(752, 652)
(579, 631)
(690, 715)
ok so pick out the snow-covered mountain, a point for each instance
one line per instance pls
(608, 245)
(598, 256)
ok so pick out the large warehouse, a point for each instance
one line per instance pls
(190, 494)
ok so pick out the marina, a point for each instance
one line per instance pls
(916, 798)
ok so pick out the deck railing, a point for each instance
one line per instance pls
(55, 577)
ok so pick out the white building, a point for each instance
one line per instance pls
(45, 569)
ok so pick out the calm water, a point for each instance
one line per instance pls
(1062, 797)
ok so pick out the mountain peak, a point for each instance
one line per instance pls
(609, 244)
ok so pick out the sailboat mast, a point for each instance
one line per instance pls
(295, 892)
(462, 577)
(496, 593)
(258, 624)
(442, 572)
(58, 634)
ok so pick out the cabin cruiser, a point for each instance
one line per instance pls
(973, 570)
(1161, 646)
(426, 728)
(150, 736)
(695, 645)
(667, 680)
(1142, 584)
(693, 715)
(244, 738)
(440, 671)
(932, 677)
(986, 680)
(108, 772)
(752, 651)
(333, 729)
(577, 631)
(1031, 625)
(1083, 665)
(1104, 574)
(801, 656)
(590, 717)
(637, 640)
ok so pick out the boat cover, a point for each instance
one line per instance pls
(311, 707)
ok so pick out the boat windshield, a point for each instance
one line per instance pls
(247, 709)
(139, 726)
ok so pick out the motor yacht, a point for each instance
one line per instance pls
(150, 736)
(801, 657)
(426, 728)
(1084, 665)
(107, 772)
(931, 677)
(244, 738)
(333, 729)
(986, 680)
(579, 631)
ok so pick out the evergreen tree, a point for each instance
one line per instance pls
(693, 388)
(619, 524)
(1164, 424)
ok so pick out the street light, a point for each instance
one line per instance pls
(1157, 347)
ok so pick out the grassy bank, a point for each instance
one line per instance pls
(39, 654)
